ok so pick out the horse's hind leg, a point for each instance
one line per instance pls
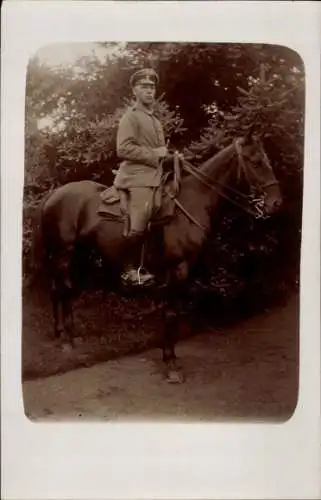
(169, 340)
(67, 313)
(62, 294)
(57, 309)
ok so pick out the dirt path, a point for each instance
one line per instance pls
(248, 371)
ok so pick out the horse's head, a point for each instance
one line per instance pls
(255, 165)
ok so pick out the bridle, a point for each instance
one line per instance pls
(216, 186)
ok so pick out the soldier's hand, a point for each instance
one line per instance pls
(161, 152)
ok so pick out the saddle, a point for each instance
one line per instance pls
(115, 206)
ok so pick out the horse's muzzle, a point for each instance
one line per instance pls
(273, 206)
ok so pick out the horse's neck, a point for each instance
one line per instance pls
(199, 197)
(217, 168)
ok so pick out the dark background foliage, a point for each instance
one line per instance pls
(208, 94)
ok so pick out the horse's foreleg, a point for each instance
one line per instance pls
(170, 336)
(172, 371)
(175, 293)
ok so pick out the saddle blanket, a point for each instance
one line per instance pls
(114, 206)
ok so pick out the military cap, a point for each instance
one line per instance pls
(147, 75)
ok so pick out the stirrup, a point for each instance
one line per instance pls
(139, 277)
(144, 276)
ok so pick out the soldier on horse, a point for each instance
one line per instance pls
(86, 214)
(141, 147)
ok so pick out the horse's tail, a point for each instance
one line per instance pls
(38, 248)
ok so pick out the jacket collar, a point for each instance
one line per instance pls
(138, 106)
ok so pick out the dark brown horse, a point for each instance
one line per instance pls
(69, 217)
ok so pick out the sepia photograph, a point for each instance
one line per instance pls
(160, 250)
(162, 218)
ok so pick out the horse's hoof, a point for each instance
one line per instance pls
(175, 377)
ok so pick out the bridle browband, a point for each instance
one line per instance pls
(215, 185)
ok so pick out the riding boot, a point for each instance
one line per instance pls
(134, 273)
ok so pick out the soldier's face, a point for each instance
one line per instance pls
(145, 92)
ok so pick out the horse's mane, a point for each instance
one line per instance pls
(216, 160)
(210, 166)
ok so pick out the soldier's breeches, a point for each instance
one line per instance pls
(141, 200)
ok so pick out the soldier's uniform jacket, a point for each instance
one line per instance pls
(139, 132)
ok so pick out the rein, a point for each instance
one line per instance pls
(205, 181)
